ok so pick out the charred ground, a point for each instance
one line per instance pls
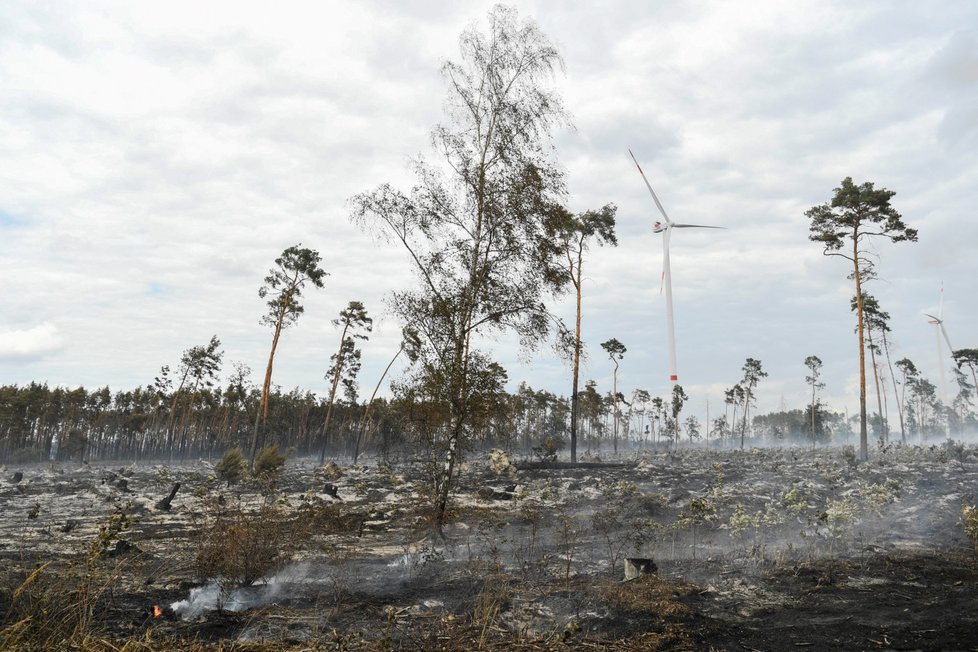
(761, 549)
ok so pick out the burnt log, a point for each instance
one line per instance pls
(528, 465)
(332, 490)
(122, 547)
(17, 477)
(492, 493)
(164, 505)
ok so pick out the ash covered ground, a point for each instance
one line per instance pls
(761, 549)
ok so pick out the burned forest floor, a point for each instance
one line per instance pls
(763, 549)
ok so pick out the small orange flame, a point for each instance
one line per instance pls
(157, 611)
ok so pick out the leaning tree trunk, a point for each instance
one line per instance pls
(332, 394)
(370, 404)
(266, 389)
(896, 395)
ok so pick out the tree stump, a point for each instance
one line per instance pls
(635, 567)
(164, 505)
(332, 490)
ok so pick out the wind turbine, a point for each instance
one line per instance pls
(939, 322)
(666, 230)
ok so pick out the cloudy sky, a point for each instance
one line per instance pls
(157, 157)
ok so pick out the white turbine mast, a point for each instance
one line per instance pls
(666, 229)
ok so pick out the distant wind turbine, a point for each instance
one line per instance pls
(939, 322)
(666, 230)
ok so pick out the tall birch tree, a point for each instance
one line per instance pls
(473, 228)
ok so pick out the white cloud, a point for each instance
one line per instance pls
(158, 157)
(30, 344)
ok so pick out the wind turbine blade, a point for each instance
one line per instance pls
(940, 310)
(934, 320)
(652, 192)
(946, 338)
(696, 226)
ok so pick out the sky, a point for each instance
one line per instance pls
(157, 157)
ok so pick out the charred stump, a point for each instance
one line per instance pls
(493, 493)
(164, 504)
(635, 567)
(332, 490)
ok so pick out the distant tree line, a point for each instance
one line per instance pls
(485, 229)
(186, 416)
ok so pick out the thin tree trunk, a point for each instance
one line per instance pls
(876, 377)
(814, 379)
(266, 389)
(896, 395)
(575, 401)
(332, 393)
(370, 404)
(614, 407)
(863, 434)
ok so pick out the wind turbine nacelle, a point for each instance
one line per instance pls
(658, 227)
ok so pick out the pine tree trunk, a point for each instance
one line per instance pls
(863, 434)
(332, 394)
(575, 403)
(265, 390)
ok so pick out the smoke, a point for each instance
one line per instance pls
(216, 595)
(700, 513)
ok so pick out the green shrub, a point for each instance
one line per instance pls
(849, 455)
(239, 547)
(970, 518)
(269, 462)
(231, 468)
